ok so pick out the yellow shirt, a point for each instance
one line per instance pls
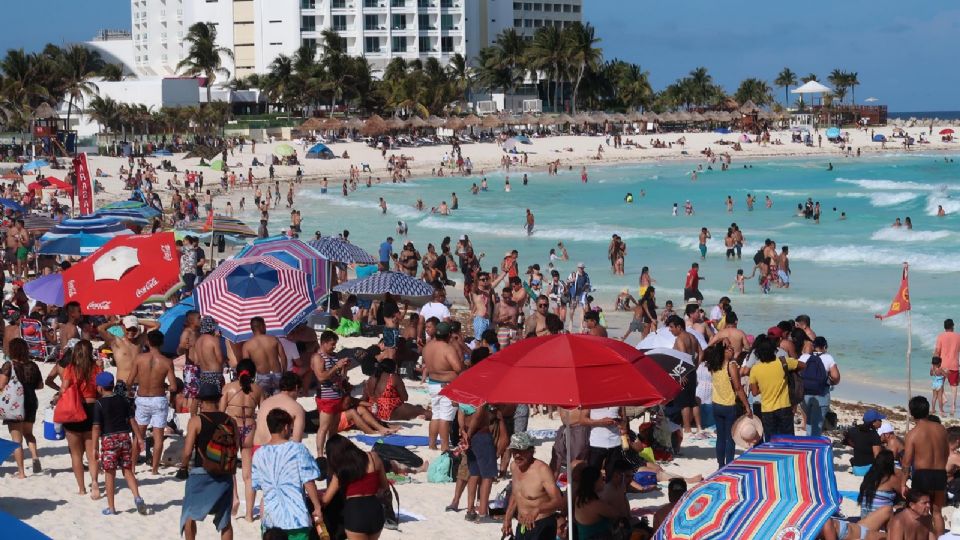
(723, 393)
(770, 380)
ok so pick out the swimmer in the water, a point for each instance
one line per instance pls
(843, 216)
(897, 224)
(628, 198)
(829, 166)
(907, 223)
(940, 211)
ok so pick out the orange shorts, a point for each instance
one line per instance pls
(329, 406)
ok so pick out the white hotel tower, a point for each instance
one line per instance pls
(380, 30)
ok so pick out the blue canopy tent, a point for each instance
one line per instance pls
(320, 151)
(36, 164)
(12, 204)
(879, 138)
(833, 133)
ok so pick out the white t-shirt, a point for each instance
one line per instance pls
(826, 358)
(607, 436)
(435, 309)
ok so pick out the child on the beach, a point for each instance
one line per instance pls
(112, 426)
(391, 330)
(739, 280)
(937, 376)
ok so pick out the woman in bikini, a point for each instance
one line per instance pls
(240, 401)
(386, 389)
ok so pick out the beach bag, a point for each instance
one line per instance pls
(69, 407)
(442, 469)
(794, 384)
(348, 328)
(12, 399)
(498, 506)
(391, 515)
(815, 381)
(219, 457)
(392, 452)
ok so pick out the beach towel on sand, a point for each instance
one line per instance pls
(396, 440)
(204, 495)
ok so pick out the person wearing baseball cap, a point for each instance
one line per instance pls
(442, 364)
(126, 344)
(542, 497)
(865, 442)
(111, 431)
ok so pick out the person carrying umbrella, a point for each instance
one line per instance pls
(536, 496)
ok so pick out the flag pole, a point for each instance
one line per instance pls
(906, 269)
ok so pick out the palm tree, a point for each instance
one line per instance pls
(839, 81)
(113, 72)
(809, 77)
(204, 55)
(633, 87)
(78, 66)
(581, 52)
(105, 112)
(755, 90)
(547, 55)
(460, 75)
(785, 80)
(853, 81)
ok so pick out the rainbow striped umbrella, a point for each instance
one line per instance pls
(296, 254)
(240, 289)
(784, 489)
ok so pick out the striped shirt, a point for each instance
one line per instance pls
(330, 388)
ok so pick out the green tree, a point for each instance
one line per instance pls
(582, 53)
(755, 90)
(853, 81)
(547, 55)
(633, 87)
(839, 81)
(785, 80)
(204, 56)
(78, 66)
(460, 76)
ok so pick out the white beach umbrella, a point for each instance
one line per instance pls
(811, 87)
(871, 100)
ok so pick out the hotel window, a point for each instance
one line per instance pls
(399, 22)
(371, 44)
(423, 21)
(399, 44)
(446, 44)
(446, 3)
(517, 6)
(308, 42)
(423, 3)
(308, 4)
(370, 3)
(537, 23)
(342, 43)
(339, 23)
(566, 8)
(576, 8)
(424, 44)
(398, 3)
(537, 7)
(370, 22)
(517, 23)
(446, 22)
(527, 6)
(527, 23)
(308, 23)
(338, 4)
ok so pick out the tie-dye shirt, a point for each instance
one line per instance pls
(280, 470)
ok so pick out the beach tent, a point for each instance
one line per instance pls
(879, 138)
(833, 133)
(320, 151)
(218, 165)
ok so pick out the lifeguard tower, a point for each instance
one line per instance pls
(51, 133)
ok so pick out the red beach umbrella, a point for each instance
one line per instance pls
(125, 273)
(58, 183)
(947, 131)
(566, 370)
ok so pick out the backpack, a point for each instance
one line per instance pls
(815, 381)
(758, 257)
(219, 456)
(794, 384)
(442, 469)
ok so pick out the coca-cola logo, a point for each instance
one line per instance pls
(71, 288)
(167, 252)
(151, 283)
(101, 306)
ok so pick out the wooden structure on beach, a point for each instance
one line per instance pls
(51, 132)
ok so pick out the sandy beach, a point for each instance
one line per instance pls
(49, 503)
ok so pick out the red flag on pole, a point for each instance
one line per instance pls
(84, 189)
(901, 302)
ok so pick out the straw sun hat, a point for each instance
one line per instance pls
(747, 431)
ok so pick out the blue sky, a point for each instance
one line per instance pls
(905, 53)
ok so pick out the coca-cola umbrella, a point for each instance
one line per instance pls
(126, 272)
(566, 370)
(240, 289)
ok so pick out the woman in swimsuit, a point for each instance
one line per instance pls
(386, 389)
(878, 491)
(240, 401)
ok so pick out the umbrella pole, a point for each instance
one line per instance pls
(329, 279)
(569, 488)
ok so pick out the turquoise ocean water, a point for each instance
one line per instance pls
(844, 271)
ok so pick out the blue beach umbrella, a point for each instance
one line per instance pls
(722, 130)
(399, 285)
(171, 324)
(335, 249)
(36, 164)
(130, 212)
(12, 204)
(523, 139)
(879, 138)
(81, 236)
(833, 133)
(295, 254)
(47, 289)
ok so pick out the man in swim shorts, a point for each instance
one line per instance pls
(536, 497)
(926, 452)
(151, 370)
(442, 363)
(948, 349)
(704, 236)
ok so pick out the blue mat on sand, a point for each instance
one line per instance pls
(396, 440)
(7, 448)
(14, 528)
(850, 495)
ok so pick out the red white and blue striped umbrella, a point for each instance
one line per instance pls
(240, 289)
(295, 254)
(338, 250)
(783, 489)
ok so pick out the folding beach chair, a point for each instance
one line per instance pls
(32, 332)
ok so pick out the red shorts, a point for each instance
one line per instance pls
(953, 377)
(329, 406)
